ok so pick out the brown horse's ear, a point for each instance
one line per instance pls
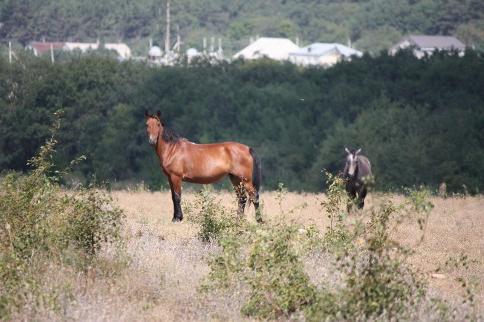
(147, 114)
(158, 113)
(358, 151)
(347, 150)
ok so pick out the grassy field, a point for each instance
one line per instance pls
(165, 262)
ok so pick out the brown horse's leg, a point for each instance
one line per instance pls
(175, 185)
(254, 198)
(240, 192)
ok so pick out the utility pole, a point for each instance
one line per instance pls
(178, 38)
(52, 53)
(10, 52)
(167, 33)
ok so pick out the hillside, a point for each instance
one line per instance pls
(371, 25)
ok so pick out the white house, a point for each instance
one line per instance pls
(273, 48)
(322, 54)
(82, 46)
(123, 51)
(426, 45)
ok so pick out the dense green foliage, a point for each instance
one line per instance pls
(419, 121)
(371, 25)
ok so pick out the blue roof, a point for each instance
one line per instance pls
(320, 49)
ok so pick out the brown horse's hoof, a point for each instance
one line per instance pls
(176, 219)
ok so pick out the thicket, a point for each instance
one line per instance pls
(43, 227)
(418, 121)
(368, 274)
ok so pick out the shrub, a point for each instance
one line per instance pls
(275, 274)
(375, 281)
(264, 258)
(377, 278)
(40, 224)
(212, 217)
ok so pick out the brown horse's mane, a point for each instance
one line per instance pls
(170, 135)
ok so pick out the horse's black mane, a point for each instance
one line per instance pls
(170, 135)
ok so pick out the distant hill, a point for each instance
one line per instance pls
(370, 25)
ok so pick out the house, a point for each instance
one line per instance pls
(322, 54)
(273, 48)
(42, 47)
(123, 51)
(426, 45)
(82, 46)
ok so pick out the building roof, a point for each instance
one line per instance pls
(434, 42)
(321, 49)
(42, 47)
(273, 48)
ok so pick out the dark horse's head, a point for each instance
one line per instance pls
(154, 127)
(351, 167)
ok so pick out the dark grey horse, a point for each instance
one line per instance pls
(357, 174)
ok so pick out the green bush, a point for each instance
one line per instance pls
(40, 223)
(275, 274)
(212, 217)
(264, 258)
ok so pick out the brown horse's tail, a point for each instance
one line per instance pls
(256, 173)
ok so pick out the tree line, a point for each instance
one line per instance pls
(419, 121)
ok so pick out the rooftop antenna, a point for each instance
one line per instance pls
(167, 34)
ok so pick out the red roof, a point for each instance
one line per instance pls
(44, 47)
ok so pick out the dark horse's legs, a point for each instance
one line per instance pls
(175, 185)
(352, 196)
(361, 198)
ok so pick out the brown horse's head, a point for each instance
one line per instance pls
(351, 167)
(154, 127)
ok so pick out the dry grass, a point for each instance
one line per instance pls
(166, 261)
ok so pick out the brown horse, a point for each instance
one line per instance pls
(182, 160)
